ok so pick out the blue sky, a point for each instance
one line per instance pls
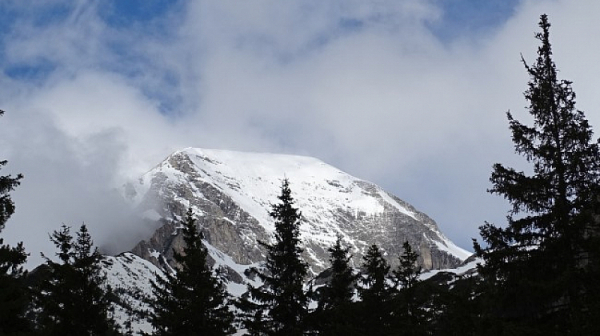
(408, 94)
(456, 19)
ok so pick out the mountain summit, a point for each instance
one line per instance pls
(231, 194)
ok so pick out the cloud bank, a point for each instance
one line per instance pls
(94, 98)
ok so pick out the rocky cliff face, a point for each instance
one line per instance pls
(231, 193)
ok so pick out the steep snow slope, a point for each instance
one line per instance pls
(130, 278)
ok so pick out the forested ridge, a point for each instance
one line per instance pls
(538, 274)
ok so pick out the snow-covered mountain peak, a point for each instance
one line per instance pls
(254, 180)
(232, 193)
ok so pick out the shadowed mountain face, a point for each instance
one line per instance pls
(231, 194)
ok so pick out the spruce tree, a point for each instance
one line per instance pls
(335, 311)
(409, 299)
(280, 305)
(408, 271)
(74, 299)
(14, 297)
(340, 289)
(536, 267)
(375, 293)
(193, 300)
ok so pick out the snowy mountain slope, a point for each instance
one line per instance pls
(130, 278)
(231, 193)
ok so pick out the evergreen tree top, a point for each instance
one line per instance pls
(340, 289)
(280, 306)
(74, 299)
(536, 267)
(408, 270)
(192, 238)
(559, 145)
(286, 216)
(375, 272)
(193, 300)
(7, 184)
(63, 240)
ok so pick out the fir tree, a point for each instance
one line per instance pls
(534, 268)
(375, 293)
(193, 300)
(408, 271)
(335, 311)
(14, 297)
(340, 290)
(409, 300)
(74, 299)
(280, 306)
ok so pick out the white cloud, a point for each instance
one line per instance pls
(362, 85)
